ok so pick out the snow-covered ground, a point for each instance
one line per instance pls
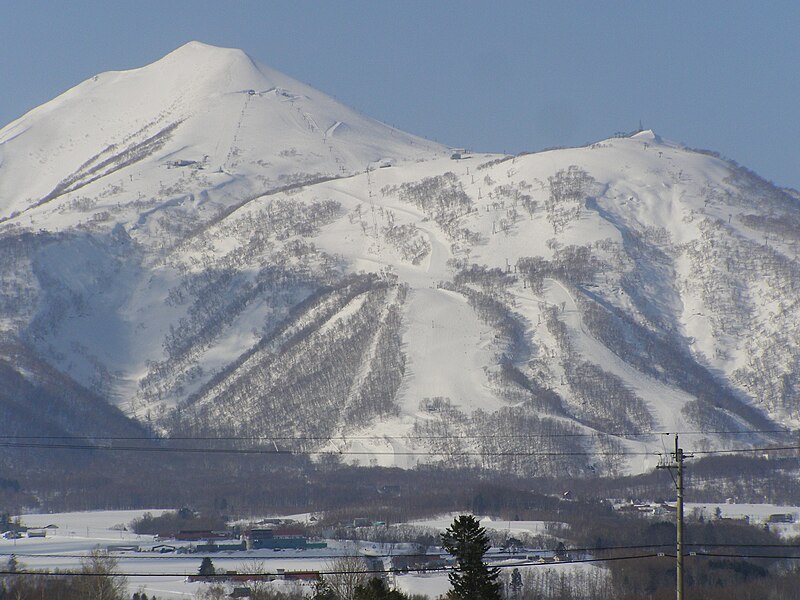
(74, 535)
(71, 536)
(756, 514)
(511, 527)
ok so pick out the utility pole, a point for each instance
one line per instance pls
(677, 465)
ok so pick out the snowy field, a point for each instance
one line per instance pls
(511, 527)
(77, 534)
(71, 536)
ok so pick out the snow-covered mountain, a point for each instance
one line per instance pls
(213, 247)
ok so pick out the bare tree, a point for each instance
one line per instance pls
(345, 574)
(100, 580)
(213, 591)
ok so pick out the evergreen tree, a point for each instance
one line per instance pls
(376, 589)
(12, 566)
(467, 541)
(207, 567)
(516, 584)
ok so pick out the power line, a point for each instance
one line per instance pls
(497, 556)
(722, 545)
(465, 436)
(746, 450)
(443, 453)
(516, 564)
(197, 555)
(770, 556)
(410, 570)
(340, 572)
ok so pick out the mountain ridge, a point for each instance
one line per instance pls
(126, 117)
(299, 272)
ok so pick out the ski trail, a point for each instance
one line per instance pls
(237, 129)
(667, 412)
(366, 361)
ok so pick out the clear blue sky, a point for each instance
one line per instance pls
(492, 76)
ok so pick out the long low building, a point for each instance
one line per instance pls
(278, 538)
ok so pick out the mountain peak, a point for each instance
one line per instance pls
(229, 67)
(199, 102)
(198, 46)
(647, 134)
(200, 52)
